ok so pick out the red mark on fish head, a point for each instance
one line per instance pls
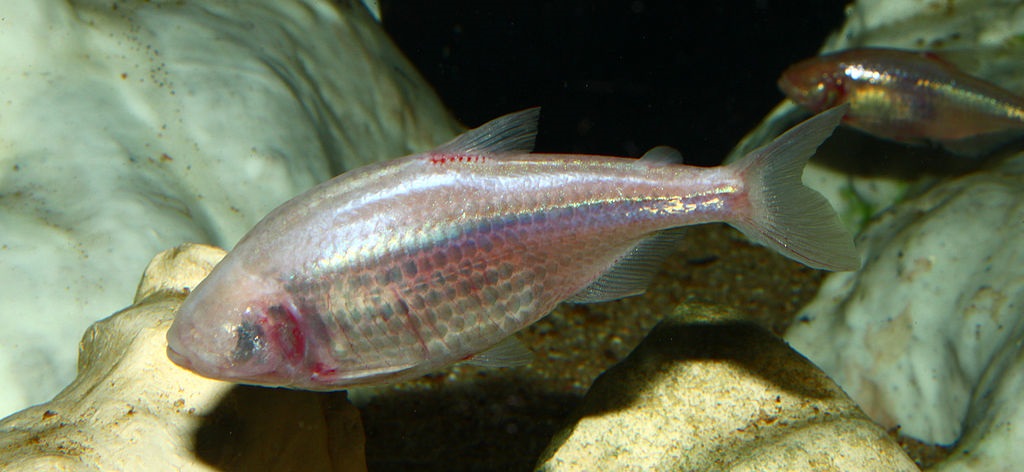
(285, 330)
(816, 84)
(453, 158)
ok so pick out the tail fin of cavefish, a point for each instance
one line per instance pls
(788, 216)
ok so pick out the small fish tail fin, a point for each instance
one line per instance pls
(785, 214)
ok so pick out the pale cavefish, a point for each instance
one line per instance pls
(395, 270)
(907, 96)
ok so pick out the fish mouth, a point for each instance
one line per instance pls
(179, 359)
(176, 351)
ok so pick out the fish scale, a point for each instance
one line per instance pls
(369, 320)
(485, 304)
(396, 270)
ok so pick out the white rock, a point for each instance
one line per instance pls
(130, 408)
(129, 127)
(927, 335)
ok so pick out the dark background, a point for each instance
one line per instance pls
(614, 77)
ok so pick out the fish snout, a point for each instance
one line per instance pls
(178, 359)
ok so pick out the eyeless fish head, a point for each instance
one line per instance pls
(812, 84)
(232, 327)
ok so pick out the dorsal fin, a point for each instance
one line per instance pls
(512, 133)
(966, 61)
(633, 271)
(662, 155)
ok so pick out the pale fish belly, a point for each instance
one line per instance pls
(415, 310)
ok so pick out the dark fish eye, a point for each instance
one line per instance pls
(250, 340)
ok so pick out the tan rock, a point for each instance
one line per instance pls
(130, 408)
(709, 391)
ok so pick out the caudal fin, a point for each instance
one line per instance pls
(788, 216)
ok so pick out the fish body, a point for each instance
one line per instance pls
(902, 95)
(395, 270)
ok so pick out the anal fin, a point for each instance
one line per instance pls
(632, 272)
(510, 352)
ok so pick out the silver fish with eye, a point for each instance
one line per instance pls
(906, 96)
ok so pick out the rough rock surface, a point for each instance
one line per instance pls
(708, 391)
(129, 127)
(928, 334)
(130, 408)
